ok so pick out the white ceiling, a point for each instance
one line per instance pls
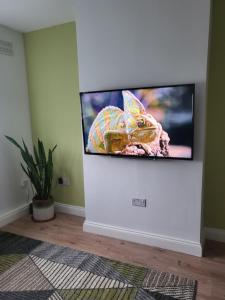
(28, 15)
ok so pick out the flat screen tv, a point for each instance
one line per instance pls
(150, 122)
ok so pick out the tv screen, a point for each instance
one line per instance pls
(155, 122)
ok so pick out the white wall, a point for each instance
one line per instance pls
(29, 15)
(14, 121)
(129, 43)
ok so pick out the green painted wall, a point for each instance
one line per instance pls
(215, 129)
(52, 69)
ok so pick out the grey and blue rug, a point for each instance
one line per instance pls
(31, 269)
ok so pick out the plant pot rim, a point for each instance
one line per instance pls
(43, 202)
(38, 199)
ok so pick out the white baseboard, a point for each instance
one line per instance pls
(215, 234)
(14, 214)
(165, 242)
(23, 210)
(123, 233)
(70, 209)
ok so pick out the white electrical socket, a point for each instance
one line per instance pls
(139, 202)
(24, 183)
(65, 181)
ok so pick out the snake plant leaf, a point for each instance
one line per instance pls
(36, 155)
(28, 159)
(42, 163)
(28, 154)
(48, 173)
(37, 167)
(13, 141)
(25, 171)
(37, 160)
(41, 152)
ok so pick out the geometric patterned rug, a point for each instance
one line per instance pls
(31, 269)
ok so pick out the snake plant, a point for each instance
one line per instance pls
(38, 167)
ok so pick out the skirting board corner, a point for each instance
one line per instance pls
(70, 209)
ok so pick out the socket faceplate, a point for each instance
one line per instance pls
(139, 202)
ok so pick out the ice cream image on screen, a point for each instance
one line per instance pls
(129, 132)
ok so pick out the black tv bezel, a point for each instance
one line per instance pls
(135, 156)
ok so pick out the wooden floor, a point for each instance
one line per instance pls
(67, 230)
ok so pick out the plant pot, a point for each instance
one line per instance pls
(43, 210)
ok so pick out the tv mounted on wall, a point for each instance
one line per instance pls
(150, 122)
